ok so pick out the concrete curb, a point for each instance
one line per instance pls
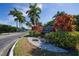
(5, 50)
(11, 51)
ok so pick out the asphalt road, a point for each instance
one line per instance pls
(5, 40)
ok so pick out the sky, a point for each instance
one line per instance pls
(48, 10)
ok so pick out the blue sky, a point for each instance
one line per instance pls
(48, 11)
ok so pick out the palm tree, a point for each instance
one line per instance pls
(19, 17)
(33, 13)
(21, 20)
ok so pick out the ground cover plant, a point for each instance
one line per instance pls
(67, 40)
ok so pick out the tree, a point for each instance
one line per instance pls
(33, 13)
(19, 16)
(77, 22)
(50, 23)
(7, 28)
(64, 22)
(21, 20)
(59, 13)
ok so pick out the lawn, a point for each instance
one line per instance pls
(24, 48)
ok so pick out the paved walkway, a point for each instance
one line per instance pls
(43, 45)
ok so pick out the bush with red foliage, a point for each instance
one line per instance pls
(64, 22)
(37, 28)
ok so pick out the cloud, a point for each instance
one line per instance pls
(9, 21)
(64, 5)
(60, 4)
(11, 18)
(40, 5)
(22, 7)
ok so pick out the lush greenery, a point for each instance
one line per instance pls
(68, 40)
(7, 28)
(34, 33)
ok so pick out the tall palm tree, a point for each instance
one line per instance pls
(33, 13)
(21, 20)
(19, 16)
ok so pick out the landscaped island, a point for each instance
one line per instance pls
(61, 32)
(59, 36)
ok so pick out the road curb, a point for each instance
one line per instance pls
(5, 50)
(11, 51)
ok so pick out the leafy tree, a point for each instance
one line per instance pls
(64, 22)
(7, 28)
(50, 23)
(77, 22)
(59, 13)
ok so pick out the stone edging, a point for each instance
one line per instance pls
(11, 51)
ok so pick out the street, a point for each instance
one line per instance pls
(5, 40)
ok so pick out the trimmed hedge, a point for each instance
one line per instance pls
(34, 34)
(64, 39)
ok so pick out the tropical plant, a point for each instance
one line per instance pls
(68, 40)
(19, 16)
(34, 34)
(33, 13)
(64, 22)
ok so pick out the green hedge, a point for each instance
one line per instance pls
(34, 34)
(64, 39)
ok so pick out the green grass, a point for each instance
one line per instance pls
(24, 48)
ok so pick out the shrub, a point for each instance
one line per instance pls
(34, 33)
(64, 39)
(64, 22)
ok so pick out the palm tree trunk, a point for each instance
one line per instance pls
(17, 25)
(20, 25)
